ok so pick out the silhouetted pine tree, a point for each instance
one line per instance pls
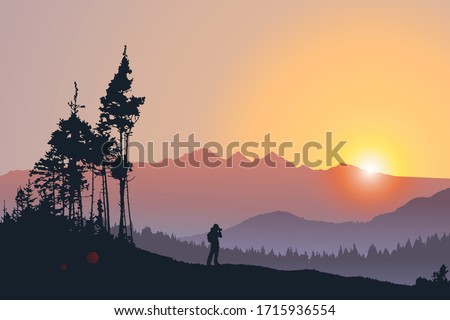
(6, 216)
(99, 218)
(94, 160)
(21, 201)
(441, 275)
(109, 149)
(29, 197)
(71, 143)
(103, 139)
(49, 180)
(121, 111)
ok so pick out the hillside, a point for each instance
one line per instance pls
(43, 259)
(419, 257)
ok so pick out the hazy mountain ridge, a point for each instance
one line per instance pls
(189, 200)
(418, 257)
(419, 217)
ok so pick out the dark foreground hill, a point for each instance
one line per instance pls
(42, 257)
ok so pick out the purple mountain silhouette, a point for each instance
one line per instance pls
(279, 230)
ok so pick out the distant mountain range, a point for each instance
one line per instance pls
(420, 217)
(189, 200)
(419, 257)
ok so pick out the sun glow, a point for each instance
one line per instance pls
(372, 86)
(371, 167)
(372, 164)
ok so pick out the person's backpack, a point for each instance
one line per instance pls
(210, 236)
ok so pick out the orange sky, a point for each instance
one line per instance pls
(375, 73)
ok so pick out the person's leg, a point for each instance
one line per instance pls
(210, 256)
(216, 255)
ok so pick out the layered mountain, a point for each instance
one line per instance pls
(420, 217)
(188, 200)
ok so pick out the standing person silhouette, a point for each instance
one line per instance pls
(213, 237)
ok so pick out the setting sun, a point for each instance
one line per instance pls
(372, 163)
(371, 167)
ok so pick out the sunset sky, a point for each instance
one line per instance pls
(375, 73)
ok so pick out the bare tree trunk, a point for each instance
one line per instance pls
(92, 192)
(122, 231)
(129, 213)
(80, 206)
(106, 204)
(122, 228)
(105, 219)
(126, 186)
(71, 201)
(70, 209)
(53, 192)
(63, 196)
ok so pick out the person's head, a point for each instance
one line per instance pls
(216, 227)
